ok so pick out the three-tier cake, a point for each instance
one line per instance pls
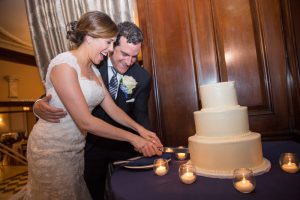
(223, 141)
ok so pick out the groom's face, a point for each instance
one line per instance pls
(125, 55)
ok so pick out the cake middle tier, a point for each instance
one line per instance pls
(222, 122)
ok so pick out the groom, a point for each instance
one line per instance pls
(99, 152)
(120, 71)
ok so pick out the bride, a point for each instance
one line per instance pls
(55, 150)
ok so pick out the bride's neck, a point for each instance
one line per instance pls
(82, 56)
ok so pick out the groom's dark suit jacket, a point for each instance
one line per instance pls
(99, 152)
(137, 110)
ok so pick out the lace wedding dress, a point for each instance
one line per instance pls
(55, 150)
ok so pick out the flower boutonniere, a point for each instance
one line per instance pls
(127, 84)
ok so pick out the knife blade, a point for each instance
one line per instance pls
(174, 150)
(121, 162)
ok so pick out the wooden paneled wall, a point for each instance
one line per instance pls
(189, 43)
(291, 20)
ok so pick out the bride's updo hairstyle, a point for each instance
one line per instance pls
(95, 24)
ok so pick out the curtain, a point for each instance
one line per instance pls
(48, 19)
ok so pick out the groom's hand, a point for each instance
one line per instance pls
(46, 112)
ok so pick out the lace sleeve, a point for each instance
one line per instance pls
(66, 58)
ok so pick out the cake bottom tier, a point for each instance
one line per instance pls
(218, 157)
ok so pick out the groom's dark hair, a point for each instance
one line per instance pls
(131, 32)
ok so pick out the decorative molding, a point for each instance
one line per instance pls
(15, 103)
(13, 83)
(14, 56)
(11, 42)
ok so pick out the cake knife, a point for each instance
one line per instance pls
(174, 150)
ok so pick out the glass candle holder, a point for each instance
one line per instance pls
(289, 162)
(243, 180)
(187, 173)
(181, 156)
(160, 167)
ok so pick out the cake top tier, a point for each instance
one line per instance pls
(218, 95)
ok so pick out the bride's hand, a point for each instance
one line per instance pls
(146, 147)
(150, 136)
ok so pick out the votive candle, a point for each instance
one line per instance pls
(187, 173)
(169, 150)
(161, 170)
(181, 156)
(289, 162)
(244, 180)
(160, 167)
(188, 178)
(290, 167)
(244, 186)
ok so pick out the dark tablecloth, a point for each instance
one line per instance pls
(128, 184)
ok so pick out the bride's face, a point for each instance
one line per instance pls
(99, 47)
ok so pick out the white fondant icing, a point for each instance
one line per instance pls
(218, 95)
(257, 170)
(223, 141)
(227, 122)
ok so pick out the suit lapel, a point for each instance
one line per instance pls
(103, 68)
(121, 99)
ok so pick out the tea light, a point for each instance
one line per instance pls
(244, 180)
(289, 162)
(290, 167)
(169, 150)
(160, 167)
(181, 156)
(188, 178)
(161, 170)
(244, 186)
(187, 174)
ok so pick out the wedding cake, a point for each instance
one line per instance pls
(223, 141)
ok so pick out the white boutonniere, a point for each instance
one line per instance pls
(127, 84)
